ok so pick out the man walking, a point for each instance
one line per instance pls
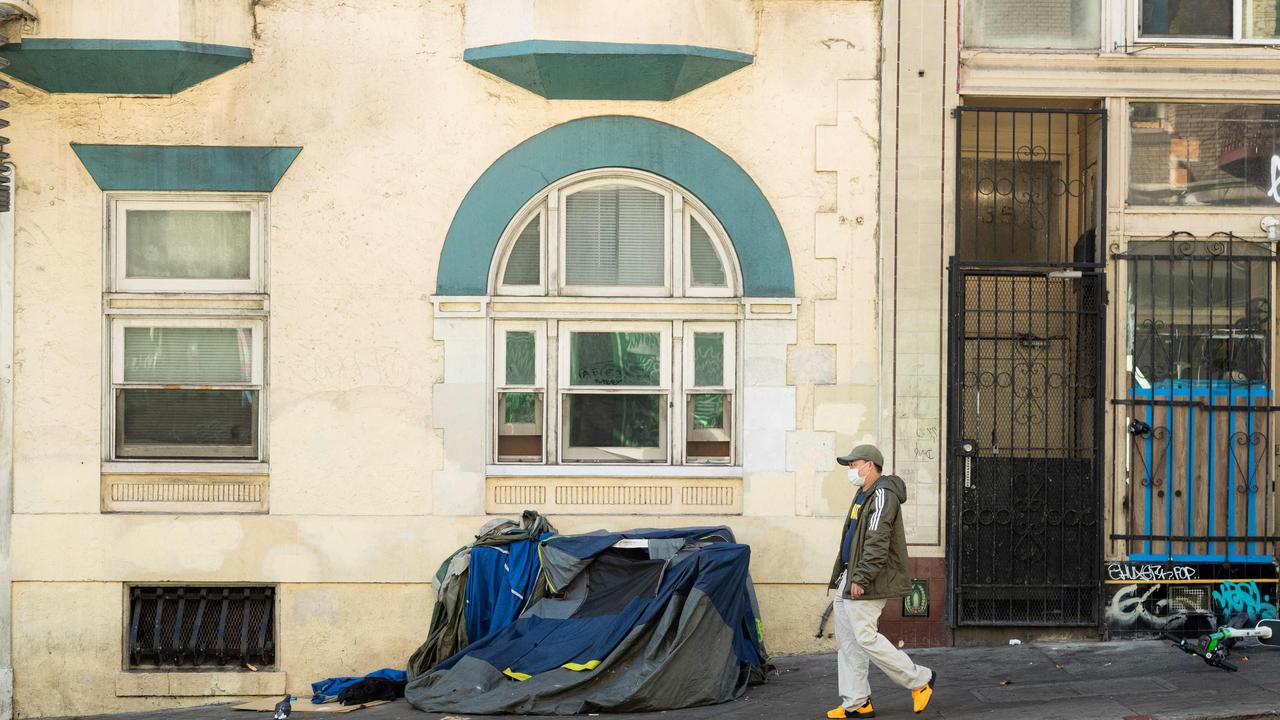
(872, 567)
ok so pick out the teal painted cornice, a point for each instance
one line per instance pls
(615, 141)
(565, 70)
(130, 67)
(186, 167)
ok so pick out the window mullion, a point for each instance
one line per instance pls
(554, 241)
(1237, 19)
(676, 245)
(676, 400)
(552, 405)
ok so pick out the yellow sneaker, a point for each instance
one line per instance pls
(866, 711)
(921, 696)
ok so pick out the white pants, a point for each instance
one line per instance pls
(858, 641)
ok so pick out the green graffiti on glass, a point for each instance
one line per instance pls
(521, 358)
(708, 359)
(615, 358)
(708, 411)
(519, 408)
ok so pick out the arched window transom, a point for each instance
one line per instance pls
(619, 233)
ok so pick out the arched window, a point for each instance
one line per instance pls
(633, 356)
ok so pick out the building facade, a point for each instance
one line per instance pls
(1078, 205)
(298, 295)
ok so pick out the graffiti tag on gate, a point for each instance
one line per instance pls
(1233, 598)
(1134, 573)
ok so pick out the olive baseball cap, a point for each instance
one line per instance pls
(863, 452)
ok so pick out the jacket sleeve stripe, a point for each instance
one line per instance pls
(875, 519)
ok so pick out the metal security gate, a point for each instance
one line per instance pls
(1197, 400)
(1026, 336)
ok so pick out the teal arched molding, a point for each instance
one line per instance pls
(616, 141)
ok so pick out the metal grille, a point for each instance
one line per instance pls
(6, 169)
(1197, 400)
(1026, 461)
(1027, 185)
(1025, 341)
(201, 626)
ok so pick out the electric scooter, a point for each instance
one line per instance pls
(1215, 647)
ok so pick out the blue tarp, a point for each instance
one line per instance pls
(533, 644)
(327, 690)
(635, 621)
(500, 578)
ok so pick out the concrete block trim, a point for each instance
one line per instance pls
(563, 69)
(132, 67)
(186, 167)
(616, 141)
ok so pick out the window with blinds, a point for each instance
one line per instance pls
(615, 236)
(187, 389)
(524, 262)
(706, 270)
(615, 233)
(602, 387)
(185, 380)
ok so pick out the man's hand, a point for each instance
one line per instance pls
(856, 590)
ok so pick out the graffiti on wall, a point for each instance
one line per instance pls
(1130, 609)
(1146, 572)
(1184, 599)
(1236, 598)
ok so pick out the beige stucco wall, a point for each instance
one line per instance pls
(221, 22)
(395, 128)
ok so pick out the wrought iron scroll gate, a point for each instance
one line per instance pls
(1197, 400)
(1026, 333)
(1026, 445)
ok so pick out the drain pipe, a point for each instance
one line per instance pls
(6, 444)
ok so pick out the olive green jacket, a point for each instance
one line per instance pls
(878, 558)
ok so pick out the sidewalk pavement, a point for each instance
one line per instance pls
(1132, 680)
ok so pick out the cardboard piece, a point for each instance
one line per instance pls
(304, 705)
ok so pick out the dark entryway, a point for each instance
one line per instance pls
(1025, 391)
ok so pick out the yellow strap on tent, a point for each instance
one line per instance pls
(579, 667)
(516, 675)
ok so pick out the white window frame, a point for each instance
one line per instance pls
(682, 208)
(1237, 31)
(562, 239)
(539, 387)
(117, 382)
(708, 223)
(117, 218)
(661, 454)
(728, 388)
(539, 215)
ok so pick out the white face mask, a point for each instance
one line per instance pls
(855, 477)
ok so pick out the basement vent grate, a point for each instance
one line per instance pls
(519, 494)
(613, 495)
(717, 496)
(213, 627)
(187, 492)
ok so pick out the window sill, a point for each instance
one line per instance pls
(198, 683)
(168, 467)
(599, 470)
(179, 488)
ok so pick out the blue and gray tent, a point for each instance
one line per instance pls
(618, 622)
